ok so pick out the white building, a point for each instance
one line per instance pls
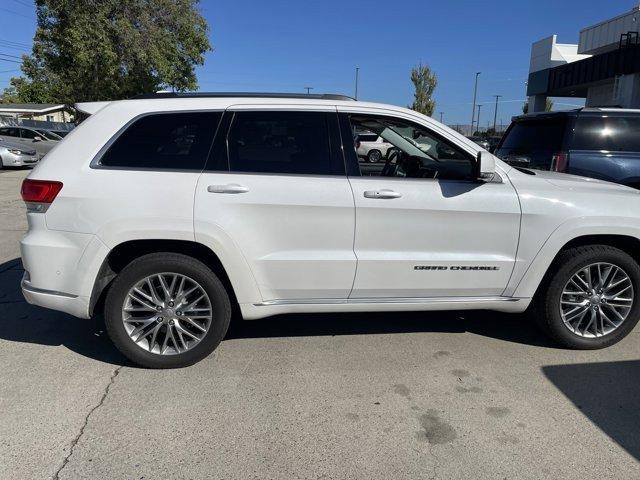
(603, 68)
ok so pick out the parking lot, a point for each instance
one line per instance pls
(414, 395)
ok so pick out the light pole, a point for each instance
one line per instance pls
(495, 113)
(478, 124)
(308, 89)
(441, 113)
(473, 109)
(357, 71)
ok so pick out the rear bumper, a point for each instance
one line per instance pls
(64, 302)
(60, 267)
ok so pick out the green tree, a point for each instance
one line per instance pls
(425, 82)
(87, 50)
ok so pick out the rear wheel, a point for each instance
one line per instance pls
(166, 310)
(590, 298)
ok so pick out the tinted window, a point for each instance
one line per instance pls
(607, 133)
(530, 136)
(179, 141)
(9, 132)
(367, 138)
(29, 134)
(532, 143)
(413, 151)
(281, 142)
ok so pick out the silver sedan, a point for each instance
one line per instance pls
(14, 155)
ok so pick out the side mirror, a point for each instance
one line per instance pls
(37, 139)
(485, 165)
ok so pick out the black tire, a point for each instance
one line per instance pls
(546, 305)
(158, 263)
(374, 156)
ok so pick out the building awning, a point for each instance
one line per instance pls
(30, 108)
(573, 79)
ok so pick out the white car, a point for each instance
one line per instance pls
(372, 147)
(15, 155)
(167, 212)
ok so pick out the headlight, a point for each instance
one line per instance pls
(15, 152)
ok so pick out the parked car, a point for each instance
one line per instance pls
(29, 138)
(15, 155)
(48, 134)
(483, 142)
(372, 147)
(61, 133)
(168, 212)
(601, 143)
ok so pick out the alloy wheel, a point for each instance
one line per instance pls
(596, 300)
(167, 313)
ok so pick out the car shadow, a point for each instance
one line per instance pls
(21, 322)
(608, 394)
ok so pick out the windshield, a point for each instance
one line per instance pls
(48, 135)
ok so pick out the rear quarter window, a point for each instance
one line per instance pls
(166, 141)
(620, 134)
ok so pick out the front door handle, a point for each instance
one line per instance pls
(384, 193)
(229, 188)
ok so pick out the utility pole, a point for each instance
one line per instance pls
(441, 113)
(478, 124)
(495, 113)
(357, 71)
(308, 89)
(473, 109)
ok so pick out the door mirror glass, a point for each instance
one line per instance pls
(486, 165)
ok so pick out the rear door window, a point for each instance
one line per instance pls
(164, 141)
(282, 143)
(534, 141)
(616, 134)
(9, 132)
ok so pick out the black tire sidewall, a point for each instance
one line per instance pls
(369, 156)
(570, 263)
(159, 263)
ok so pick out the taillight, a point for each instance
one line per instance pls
(559, 162)
(39, 194)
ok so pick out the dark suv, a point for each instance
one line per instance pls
(600, 143)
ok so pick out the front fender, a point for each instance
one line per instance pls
(526, 285)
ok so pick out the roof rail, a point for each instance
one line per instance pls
(315, 96)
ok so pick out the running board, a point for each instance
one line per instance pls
(386, 301)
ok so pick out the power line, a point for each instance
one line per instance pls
(16, 13)
(24, 4)
(11, 42)
(11, 56)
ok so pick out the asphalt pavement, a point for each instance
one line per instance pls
(474, 395)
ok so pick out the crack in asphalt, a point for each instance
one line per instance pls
(76, 439)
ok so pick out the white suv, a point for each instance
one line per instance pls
(168, 212)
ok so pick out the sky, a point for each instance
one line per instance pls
(285, 46)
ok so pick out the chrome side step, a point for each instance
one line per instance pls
(385, 301)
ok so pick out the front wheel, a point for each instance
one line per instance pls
(166, 310)
(590, 299)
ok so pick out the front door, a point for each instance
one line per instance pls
(424, 226)
(276, 185)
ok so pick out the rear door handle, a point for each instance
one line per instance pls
(229, 188)
(384, 193)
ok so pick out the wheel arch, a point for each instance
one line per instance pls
(122, 254)
(627, 240)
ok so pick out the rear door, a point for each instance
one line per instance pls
(606, 147)
(424, 227)
(276, 185)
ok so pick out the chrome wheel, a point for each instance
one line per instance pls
(167, 313)
(596, 300)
